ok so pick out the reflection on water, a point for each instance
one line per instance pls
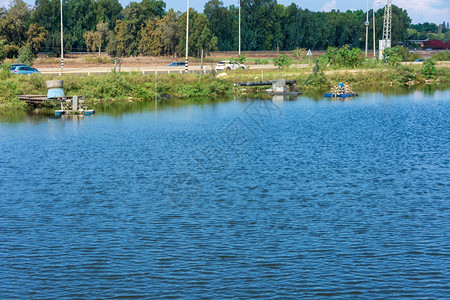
(124, 107)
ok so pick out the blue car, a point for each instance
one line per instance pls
(22, 69)
(177, 64)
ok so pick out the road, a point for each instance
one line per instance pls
(143, 69)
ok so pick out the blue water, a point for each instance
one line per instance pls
(235, 199)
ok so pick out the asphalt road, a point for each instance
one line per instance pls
(143, 69)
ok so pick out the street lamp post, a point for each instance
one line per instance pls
(187, 35)
(239, 27)
(62, 40)
(374, 44)
(367, 26)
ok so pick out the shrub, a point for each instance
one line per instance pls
(241, 58)
(344, 56)
(317, 79)
(434, 44)
(442, 56)
(402, 75)
(404, 54)
(391, 56)
(282, 61)
(299, 53)
(26, 56)
(97, 59)
(4, 70)
(2, 51)
(259, 61)
(429, 68)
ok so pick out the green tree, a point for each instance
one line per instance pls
(108, 11)
(26, 56)
(14, 23)
(89, 40)
(200, 36)
(259, 19)
(151, 40)
(136, 16)
(80, 17)
(47, 14)
(36, 36)
(111, 46)
(169, 32)
(221, 23)
(126, 43)
(100, 35)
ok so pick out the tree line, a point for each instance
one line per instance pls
(147, 28)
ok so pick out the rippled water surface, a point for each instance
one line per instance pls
(236, 199)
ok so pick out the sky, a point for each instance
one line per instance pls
(436, 11)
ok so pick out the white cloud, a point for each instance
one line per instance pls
(329, 6)
(436, 11)
(4, 3)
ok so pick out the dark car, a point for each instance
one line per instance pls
(177, 64)
(22, 69)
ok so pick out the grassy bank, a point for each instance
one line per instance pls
(138, 87)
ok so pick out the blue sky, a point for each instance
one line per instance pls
(436, 11)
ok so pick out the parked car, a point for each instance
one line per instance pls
(177, 64)
(22, 69)
(229, 65)
(419, 59)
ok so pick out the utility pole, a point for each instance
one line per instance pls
(239, 27)
(62, 40)
(386, 41)
(373, 21)
(187, 35)
(367, 26)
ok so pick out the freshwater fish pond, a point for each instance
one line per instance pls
(229, 198)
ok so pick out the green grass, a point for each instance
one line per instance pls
(442, 56)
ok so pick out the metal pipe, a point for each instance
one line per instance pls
(261, 83)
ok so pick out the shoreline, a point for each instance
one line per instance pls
(134, 86)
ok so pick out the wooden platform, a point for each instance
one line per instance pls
(284, 93)
(40, 99)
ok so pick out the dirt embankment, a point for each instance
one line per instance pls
(90, 60)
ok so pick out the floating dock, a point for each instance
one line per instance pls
(262, 83)
(69, 105)
(272, 93)
(41, 99)
(279, 87)
(331, 95)
(341, 91)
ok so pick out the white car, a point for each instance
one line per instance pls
(229, 65)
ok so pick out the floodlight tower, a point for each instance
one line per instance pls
(386, 41)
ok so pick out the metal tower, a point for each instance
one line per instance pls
(386, 41)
